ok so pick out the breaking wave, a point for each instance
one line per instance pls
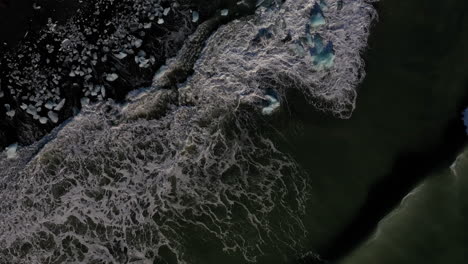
(119, 183)
(115, 191)
(282, 48)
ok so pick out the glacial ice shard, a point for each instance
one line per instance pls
(195, 16)
(316, 17)
(11, 151)
(272, 106)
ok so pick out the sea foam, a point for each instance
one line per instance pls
(119, 183)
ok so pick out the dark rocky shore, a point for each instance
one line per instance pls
(60, 56)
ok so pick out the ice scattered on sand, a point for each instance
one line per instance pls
(195, 16)
(43, 120)
(11, 113)
(11, 151)
(60, 105)
(121, 55)
(111, 77)
(53, 116)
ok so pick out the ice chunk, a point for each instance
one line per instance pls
(2, 94)
(224, 12)
(49, 105)
(43, 120)
(11, 151)
(166, 11)
(31, 110)
(160, 21)
(53, 116)
(137, 43)
(60, 105)
(112, 77)
(323, 56)
(316, 16)
(121, 55)
(143, 63)
(324, 60)
(195, 16)
(273, 105)
(11, 113)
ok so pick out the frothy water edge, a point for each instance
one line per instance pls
(116, 184)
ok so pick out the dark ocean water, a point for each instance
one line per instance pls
(407, 126)
(406, 131)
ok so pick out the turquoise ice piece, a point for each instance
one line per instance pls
(323, 55)
(316, 16)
